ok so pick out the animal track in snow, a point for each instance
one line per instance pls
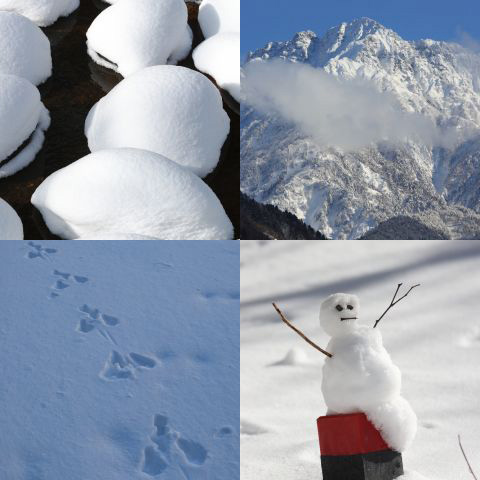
(38, 251)
(65, 280)
(94, 319)
(220, 296)
(123, 367)
(170, 451)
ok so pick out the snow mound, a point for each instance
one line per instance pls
(22, 116)
(295, 356)
(219, 56)
(134, 34)
(218, 16)
(130, 190)
(11, 227)
(174, 111)
(116, 236)
(41, 12)
(25, 48)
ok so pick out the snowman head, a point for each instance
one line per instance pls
(339, 313)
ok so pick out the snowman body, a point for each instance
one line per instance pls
(361, 376)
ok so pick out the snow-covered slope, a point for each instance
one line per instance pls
(344, 193)
(433, 336)
(119, 360)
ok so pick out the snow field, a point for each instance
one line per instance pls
(124, 358)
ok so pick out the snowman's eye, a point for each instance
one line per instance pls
(339, 308)
(349, 307)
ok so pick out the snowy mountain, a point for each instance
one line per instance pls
(344, 193)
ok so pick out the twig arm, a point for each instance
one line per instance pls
(394, 302)
(466, 459)
(299, 332)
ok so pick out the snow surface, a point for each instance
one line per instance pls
(132, 191)
(119, 362)
(41, 12)
(134, 34)
(25, 48)
(116, 236)
(218, 16)
(11, 227)
(361, 375)
(22, 115)
(219, 56)
(432, 336)
(174, 111)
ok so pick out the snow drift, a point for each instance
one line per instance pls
(174, 111)
(132, 191)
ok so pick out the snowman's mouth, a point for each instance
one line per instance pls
(348, 318)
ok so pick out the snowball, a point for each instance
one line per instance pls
(174, 111)
(22, 117)
(130, 190)
(116, 236)
(41, 12)
(216, 16)
(219, 56)
(360, 375)
(11, 227)
(134, 34)
(25, 48)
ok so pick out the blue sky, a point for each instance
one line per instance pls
(267, 20)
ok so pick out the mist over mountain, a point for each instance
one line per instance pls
(360, 126)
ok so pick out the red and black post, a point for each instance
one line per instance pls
(352, 448)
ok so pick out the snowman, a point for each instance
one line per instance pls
(360, 376)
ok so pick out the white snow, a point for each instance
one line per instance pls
(432, 336)
(115, 236)
(134, 34)
(21, 115)
(41, 12)
(361, 375)
(25, 48)
(174, 111)
(119, 362)
(132, 191)
(11, 227)
(219, 56)
(218, 16)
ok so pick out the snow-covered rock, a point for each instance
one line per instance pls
(134, 34)
(130, 190)
(22, 117)
(11, 227)
(174, 111)
(219, 56)
(360, 375)
(344, 193)
(41, 12)
(25, 49)
(216, 16)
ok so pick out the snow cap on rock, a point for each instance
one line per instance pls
(25, 49)
(41, 12)
(11, 227)
(339, 313)
(21, 115)
(174, 111)
(218, 16)
(134, 34)
(130, 190)
(219, 56)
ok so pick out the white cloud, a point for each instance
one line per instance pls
(345, 114)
